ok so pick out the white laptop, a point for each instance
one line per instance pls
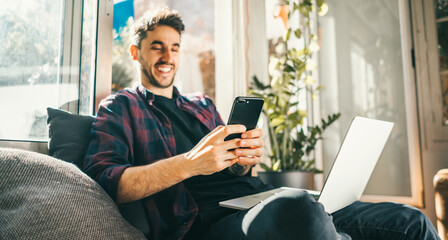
(351, 170)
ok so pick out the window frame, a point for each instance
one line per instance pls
(103, 52)
(406, 16)
(229, 54)
(416, 197)
(71, 61)
(71, 47)
(411, 105)
(64, 73)
(435, 134)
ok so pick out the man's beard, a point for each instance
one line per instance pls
(152, 80)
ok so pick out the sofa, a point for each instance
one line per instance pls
(49, 197)
(441, 198)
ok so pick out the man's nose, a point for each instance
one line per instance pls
(166, 55)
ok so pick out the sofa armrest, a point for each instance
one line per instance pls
(441, 200)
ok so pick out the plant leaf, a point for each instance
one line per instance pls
(265, 167)
(319, 2)
(298, 33)
(277, 121)
(257, 84)
(287, 34)
(276, 166)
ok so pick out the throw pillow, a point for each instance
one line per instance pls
(69, 135)
(44, 198)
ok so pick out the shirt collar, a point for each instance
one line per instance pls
(149, 95)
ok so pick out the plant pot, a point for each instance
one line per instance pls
(292, 178)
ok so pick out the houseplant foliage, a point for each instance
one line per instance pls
(292, 141)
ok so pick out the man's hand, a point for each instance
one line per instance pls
(251, 147)
(212, 153)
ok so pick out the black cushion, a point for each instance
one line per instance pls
(69, 135)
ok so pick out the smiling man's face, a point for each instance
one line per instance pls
(159, 57)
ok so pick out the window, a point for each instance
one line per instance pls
(40, 64)
(48, 58)
(87, 66)
(361, 67)
(31, 57)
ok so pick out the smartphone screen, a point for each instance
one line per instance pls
(245, 111)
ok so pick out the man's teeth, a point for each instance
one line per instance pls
(164, 69)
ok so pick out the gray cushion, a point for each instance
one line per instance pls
(45, 198)
(69, 135)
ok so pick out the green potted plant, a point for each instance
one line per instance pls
(292, 142)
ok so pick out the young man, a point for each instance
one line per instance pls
(166, 150)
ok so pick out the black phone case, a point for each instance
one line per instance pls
(245, 111)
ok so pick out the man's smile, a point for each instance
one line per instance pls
(164, 68)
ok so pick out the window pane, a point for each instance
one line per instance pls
(361, 70)
(196, 71)
(86, 105)
(441, 9)
(31, 33)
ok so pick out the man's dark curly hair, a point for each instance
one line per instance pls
(154, 18)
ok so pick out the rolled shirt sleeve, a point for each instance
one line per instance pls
(110, 150)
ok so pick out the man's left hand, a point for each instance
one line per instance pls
(251, 147)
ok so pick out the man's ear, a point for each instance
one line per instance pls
(133, 50)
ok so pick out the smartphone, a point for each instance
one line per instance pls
(245, 111)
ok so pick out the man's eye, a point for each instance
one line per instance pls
(157, 47)
(175, 50)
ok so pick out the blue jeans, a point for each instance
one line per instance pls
(295, 215)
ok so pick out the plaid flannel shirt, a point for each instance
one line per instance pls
(130, 131)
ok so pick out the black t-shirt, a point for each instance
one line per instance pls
(207, 190)
(188, 131)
